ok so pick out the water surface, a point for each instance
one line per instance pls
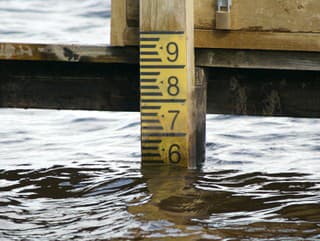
(55, 21)
(77, 175)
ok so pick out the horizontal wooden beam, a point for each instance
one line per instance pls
(67, 85)
(115, 87)
(259, 15)
(284, 25)
(68, 53)
(226, 58)
(264, 92)
(255, 59)
(244, 40)
(257, 40)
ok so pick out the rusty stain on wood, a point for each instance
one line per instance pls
(227, 58)
(68, 53)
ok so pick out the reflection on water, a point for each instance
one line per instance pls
(76, 175)
(205, 205)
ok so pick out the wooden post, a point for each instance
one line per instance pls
(200, 110)
(118, 22)
(169, 111)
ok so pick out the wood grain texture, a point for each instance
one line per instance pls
(247, 40)
(68, 53)
(276, 15)
(264, 92)
(260, 15)
(200, 102)
(262, 25)
(118, 22)
(253, 59)
(115, 87)
(68, 85)
(132, 11)
(257, 40)
(163, 15)
(227, 58)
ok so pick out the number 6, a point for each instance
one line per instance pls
(174, 154)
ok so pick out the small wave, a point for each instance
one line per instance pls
(86, 120)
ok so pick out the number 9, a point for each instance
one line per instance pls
(173, 51)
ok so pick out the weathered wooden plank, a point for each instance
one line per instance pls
(67, 53)
(260, 15)
(67, 85)
(132, 11)
(130, 37)
(257, 40)
(204, 57)
(115, 87)
(163, 15)
(218, 39)
(118, 22)
(201, 105)
(228, 58)
(276, 15)
(264, 92)
(261, 25)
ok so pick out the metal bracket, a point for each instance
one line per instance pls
(223, 14)
(224, 5)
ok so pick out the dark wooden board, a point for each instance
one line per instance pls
(264, 92)
(58, 85)
(115, 87)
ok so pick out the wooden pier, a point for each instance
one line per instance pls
(266, 61)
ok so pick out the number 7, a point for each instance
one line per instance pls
(176, 113)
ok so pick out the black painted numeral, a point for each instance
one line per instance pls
(173, 88)
(175, 117)
(174, 154)
(173, 51)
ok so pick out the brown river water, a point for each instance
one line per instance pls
(76, 175)
(72, 175)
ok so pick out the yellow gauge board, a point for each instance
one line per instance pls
(164, 98)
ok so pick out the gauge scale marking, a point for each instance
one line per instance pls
(164, 98)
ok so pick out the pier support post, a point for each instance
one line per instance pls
(172, 104)
(200, 111)
(118, 22)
